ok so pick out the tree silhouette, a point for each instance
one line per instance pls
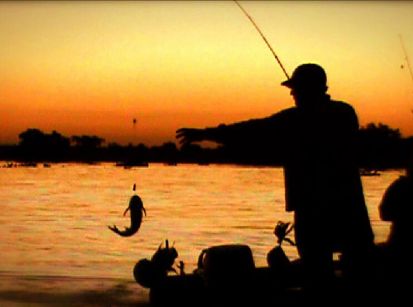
(36, 145)
(381, 146)
(86, 147)
(87, 141)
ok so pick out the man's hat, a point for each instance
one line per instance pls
(307, 75)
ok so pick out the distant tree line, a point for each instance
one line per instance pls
(382, 147)
(379, 147)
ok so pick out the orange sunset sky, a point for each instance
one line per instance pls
(91, 67)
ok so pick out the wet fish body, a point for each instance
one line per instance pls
(136, 214)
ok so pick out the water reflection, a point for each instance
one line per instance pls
(54, 219)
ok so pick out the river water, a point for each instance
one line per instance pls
(53, 222)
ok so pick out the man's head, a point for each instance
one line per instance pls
(308, 82)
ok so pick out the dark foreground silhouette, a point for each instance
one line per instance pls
(226, 275)
(394, 256)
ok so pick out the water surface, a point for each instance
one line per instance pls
(53, 220)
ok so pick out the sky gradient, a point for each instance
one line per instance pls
(91, 67)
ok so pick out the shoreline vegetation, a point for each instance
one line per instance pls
(380, 147)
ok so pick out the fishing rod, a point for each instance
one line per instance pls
(406, 57)
(263, 37)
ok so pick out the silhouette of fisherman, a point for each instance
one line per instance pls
(317, 140)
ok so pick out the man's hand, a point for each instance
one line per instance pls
(189, 135)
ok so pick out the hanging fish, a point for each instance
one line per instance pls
(136, 208)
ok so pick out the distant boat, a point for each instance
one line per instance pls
(369, 172)
(171, 163)
(129, 164)
(28, 164)
(9, 165)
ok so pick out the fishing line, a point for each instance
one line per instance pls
(263, 37)
(405, 57)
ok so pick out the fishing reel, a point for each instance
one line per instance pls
(276, 257)
(149, 273)
(281, 231)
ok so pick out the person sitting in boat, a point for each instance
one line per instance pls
(394, 262)
(396, 207)
(316, 139)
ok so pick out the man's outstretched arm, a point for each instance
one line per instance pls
(244, 131)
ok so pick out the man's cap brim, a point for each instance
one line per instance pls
(287, 83)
